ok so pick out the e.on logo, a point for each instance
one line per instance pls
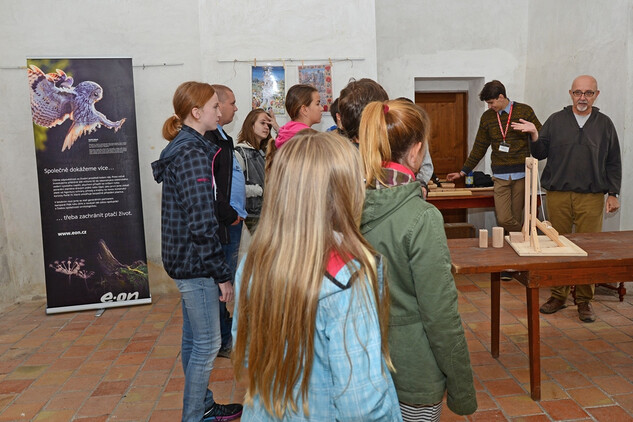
(121, 297)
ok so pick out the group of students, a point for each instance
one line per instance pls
(345, 305)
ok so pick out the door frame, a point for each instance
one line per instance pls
(471, 85)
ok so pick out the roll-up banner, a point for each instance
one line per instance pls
(84, 126)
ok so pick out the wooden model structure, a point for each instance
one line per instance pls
(528, 242)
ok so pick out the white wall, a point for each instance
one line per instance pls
(190, 36)
(577, 37)
(4, 262)
(458, 38)
(299, 30)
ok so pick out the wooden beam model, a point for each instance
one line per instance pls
(528, 242)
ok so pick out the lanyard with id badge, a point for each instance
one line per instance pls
(504, 146)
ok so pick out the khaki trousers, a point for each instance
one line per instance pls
(584, 211)
(509, 201)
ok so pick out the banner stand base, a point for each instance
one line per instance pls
(100, 306)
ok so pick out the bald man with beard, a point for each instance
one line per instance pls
(583, 165)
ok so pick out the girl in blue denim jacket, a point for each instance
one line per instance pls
(311, 307)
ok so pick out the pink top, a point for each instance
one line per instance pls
(287, 131)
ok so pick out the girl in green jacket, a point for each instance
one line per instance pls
(426, 337)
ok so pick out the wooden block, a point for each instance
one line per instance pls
(516, 237)
(497, 237)
(483, 238)
(448, 185)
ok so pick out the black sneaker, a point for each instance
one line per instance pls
(222, 412)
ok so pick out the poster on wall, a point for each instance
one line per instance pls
(269, 88)
(320, 77)
(84, 126)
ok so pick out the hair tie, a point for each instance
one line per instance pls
(385, 108)
(176, 116)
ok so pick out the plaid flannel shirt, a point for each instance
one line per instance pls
(190, 244)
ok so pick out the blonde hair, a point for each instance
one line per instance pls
(387, 131)
(313, 204)
(188, 96)
(271, 148)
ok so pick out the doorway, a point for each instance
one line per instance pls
(448, 141)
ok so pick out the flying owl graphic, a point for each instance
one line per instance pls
(54, 99)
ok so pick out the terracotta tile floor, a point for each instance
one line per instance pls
(124, 365)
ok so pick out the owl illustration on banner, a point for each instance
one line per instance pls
(54, 99)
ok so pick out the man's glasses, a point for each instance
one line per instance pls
(578, 93)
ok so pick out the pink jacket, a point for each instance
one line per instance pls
(287, 131)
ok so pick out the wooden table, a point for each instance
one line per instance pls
(479, 199)
(610, 259)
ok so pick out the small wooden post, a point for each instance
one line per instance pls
(497, 237)
(483, 238)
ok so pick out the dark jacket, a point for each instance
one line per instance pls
(582, 160)
(253, 164)
(223, 172)
(190, 244)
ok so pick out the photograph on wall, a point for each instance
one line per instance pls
(320, 77)
(269, 88)
(84, 127)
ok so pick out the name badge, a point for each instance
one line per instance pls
(504, 147)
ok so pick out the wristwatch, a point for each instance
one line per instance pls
(613, 194)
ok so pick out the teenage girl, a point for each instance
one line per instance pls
(311, 307)
(250, 148)
(191, 249)
(303, 105)
(426, 337)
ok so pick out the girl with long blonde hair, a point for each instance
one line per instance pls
(426, 337)
(311, 307)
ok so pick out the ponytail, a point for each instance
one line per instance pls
(374, 141)
(171, 127)
(387, 132)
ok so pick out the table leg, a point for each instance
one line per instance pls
(534, 342)
(495, 305)
(621, 291)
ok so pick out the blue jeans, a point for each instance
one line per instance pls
(200, 343)
(231, 250)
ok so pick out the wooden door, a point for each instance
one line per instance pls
(448, 142)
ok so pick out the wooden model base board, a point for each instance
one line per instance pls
(548, 247)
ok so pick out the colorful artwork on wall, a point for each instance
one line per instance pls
(269, 88)
(320, 77)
